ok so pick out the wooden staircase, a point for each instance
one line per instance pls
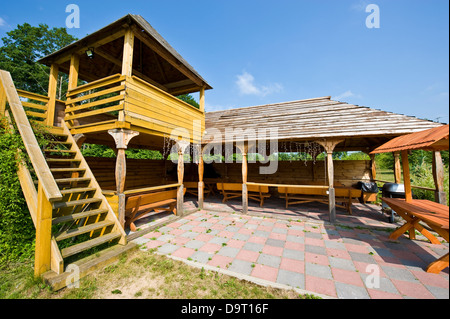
(74, 223)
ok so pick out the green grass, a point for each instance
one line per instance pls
(142, 274)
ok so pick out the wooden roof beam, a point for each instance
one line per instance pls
(152, 44)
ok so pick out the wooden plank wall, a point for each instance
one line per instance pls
(146, 173)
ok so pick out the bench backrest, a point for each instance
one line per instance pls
(150, 198)
(302, 190)
(238, 187)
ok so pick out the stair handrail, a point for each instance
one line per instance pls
(41, 168)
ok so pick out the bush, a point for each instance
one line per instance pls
(17, 231)
(422, 175)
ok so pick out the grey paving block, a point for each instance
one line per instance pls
(219, 240)
(240, 236)
(166, 237)
(194, 244)
(318, 270)
(291, 278)
(275, 242)
(279, 230)
(347, 291)
(167, 248)
(141, 240)
(341, 263)
(190, 234)
(186, 227)
(228, 251)
(385, 284)
(295, 239)
(232, 229)
(269, 260)
(362, 257)
(294, 254)
(250, 226)
(313, 235)
(253, 246)
(334, 244)
(398, 273)
(261, 233)
(201, 256)
(316, 249)
(241, 266)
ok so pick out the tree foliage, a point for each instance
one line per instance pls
(26, 44)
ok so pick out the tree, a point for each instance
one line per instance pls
(23, 46)
(189, 99)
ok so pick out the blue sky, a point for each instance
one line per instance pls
(257, 52)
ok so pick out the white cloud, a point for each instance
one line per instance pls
(346, 95)
(2, 22)
(360, 5)
(247, 86)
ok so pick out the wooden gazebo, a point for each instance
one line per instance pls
(413, 211)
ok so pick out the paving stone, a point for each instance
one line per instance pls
(190, 234)
(341, 263)
(397, 273)
(228, 251)
(318, 271)
(141, 240)
(167, 248)
(240, 236)
(313, 235)
(362, 257)
(275, 242)
(186, 227)
(346, 291)
(253, 246)
(269, 260)
(166, 237)
(219, 240)
(201, 256)
(194, 244)
(241, 266)
(280, 230)
(316, 249)
(334, 244)
(261, 233)
(291, 278)
(294, 254)
(438, 292)
(295, 239)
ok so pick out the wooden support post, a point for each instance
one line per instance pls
(73, 71)
(180, 172)
(373, 167)
(438, 176)
(52, 87)
(406, 176)
(202, 99)
(244, 182)
(42, 258)
(122, 138)
(201, 184)
(127, 59)
(2, 100)
(397, 168)
(329, 146)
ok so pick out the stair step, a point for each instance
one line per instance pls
(55, 150)
(75, 249)
(68, 170)
(59, 143)
(77, 190)
(72, 180)
(72, 217)
(84, 229)
(76, 203)
(63, 160)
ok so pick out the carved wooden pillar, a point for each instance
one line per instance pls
(122, 138)
(181, 145)
(406, 176)
(201, 184)
(329, 146)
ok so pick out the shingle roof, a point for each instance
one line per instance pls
(435, 139)
(315, 119)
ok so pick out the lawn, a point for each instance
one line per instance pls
(140, 274)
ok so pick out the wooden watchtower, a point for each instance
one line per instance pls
(130, 77)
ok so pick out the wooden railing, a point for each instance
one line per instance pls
(38, 201)
(95, 102)
(36, 106)
(37, 159)
(150, 107)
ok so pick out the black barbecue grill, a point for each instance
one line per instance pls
(392, 190)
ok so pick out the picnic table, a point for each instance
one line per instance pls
(433, 214)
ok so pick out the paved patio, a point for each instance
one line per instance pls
(298, 247)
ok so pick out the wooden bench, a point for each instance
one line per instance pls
(142, 205)
(314, 193)
(433, 214)
(233, 190)
(192, 188)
